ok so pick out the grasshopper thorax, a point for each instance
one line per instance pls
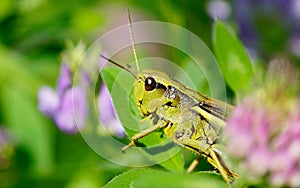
(149, 88)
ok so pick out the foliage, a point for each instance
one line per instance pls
(233, 58)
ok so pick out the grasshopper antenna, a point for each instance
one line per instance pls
(132, 41)
(117, 64)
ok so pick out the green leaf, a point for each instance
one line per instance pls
(163, 179)
(109, 76)
(157, 148)
(125, 179)
(157, 178)
(199, 81)
(232, 57)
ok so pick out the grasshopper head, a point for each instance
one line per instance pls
(149, 87)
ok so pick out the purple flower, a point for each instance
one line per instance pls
(73, 110)
(218, 9)
(64, 80)
(263, 134)
(67, 106)
(48, 101)
(107, 113)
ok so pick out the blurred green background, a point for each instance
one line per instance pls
(33, 33)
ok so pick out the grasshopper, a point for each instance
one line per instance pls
(190, 119)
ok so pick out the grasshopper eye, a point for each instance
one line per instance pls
(150, 84)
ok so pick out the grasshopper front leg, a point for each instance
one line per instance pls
(143, 133)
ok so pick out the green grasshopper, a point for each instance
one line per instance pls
(187, 117)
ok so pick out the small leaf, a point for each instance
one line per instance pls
(198, 80)
(182, 180)
(109, 76)
(157, 178)
(232, 57)
(127, 178)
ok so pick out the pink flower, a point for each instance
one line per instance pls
(263, 133)
(258, 162)
(294, 179)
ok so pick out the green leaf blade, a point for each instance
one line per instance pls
(232, 57)
(158, 178)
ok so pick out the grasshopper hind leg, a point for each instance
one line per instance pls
(203, 148)
(194, 164)
(216, 160)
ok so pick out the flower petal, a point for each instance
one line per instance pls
(105, 106)
(48, 101)
(107, 113)
(64, 81)
(73, 111)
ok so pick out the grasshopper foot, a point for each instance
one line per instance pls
(127, 146)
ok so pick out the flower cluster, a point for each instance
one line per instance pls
(263, 134)
(59, 104)
(68, 105)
